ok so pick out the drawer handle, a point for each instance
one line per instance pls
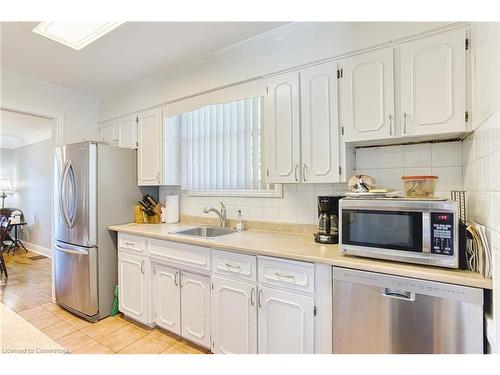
(176, 279)
(252, 292)
(260, 298)
(129, 244)
(234, 266)
(282, 276)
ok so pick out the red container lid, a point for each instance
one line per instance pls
(419, 177)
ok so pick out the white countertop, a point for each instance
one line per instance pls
(303, 247)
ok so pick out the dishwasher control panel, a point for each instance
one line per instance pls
(442, 233)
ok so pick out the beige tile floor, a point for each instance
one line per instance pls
(27, 292)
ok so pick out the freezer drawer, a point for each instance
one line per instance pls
(76, 278)
(378, 313)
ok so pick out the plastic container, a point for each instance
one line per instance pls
(419, 186)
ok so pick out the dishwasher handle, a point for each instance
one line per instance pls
(398, 294)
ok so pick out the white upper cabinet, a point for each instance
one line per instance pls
(121, 132)
(282, 127)
(127, 131)
(367, 96)
(108, 132)
(286, 322)
(167, 298)
(195, 308)
(150, 147)
(234, 316)
(320, 130)
(433, 83)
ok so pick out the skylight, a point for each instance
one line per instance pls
(75, 34)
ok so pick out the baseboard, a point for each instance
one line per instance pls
(42, 250)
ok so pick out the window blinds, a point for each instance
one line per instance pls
(221, 146)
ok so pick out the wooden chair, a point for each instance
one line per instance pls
(4, 231)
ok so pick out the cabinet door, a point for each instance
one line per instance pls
(286, 322)
(433, 83)
(109, 133)
(367, 96)
(167, 298)
(320, 130)
(282, 149)
(234, 316)
(132, 286)
(195, 308)
(127, 128)
(150, 147)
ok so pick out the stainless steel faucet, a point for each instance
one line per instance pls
(221, 214)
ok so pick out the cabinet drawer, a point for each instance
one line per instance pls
(286, 274)
(134, 244)
(235, 265)
(181, 254)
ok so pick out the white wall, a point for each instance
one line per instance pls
(283, 48)
(79, 110)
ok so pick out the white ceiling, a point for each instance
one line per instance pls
(133, 51)
(21, 129)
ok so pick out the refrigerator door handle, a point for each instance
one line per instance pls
(72, 179)
(69, 250)
(62, 201)
(69, 217)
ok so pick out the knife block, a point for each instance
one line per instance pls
(140, 216)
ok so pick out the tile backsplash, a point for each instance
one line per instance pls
(388, 163)
(297, 206)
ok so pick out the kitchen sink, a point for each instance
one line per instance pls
(205, 232)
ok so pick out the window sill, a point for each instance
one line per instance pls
(277, 192)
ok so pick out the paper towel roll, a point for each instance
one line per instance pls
(172, 206)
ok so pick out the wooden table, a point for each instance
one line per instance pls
(16, 242)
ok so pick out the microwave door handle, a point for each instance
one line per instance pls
(426, 232)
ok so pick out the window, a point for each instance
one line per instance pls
(221, 149)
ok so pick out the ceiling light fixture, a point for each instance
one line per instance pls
(75, 34)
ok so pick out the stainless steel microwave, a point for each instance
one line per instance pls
(405, 230)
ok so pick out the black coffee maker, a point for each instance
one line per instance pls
(328, 211)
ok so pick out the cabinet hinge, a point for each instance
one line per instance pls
(340, 171)
(213, 344)
(340, 73)
(466, 116)
(342, 130)
(267, 173)
(267, 89)
(315, 310)
(212, 286)
(137, 119)
(467, 44)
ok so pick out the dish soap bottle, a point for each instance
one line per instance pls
(239, 225)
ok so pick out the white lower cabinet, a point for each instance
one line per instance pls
(195, 308)
(181, 303)
(234, 316)
(133, 287)
(167, 298)
(286, 322)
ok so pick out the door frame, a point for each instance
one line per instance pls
(57, 140)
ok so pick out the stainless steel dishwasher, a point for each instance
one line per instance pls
(378, 313)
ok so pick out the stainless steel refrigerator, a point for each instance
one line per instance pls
(95, 186)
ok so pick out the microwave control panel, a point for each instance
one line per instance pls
(442, 233)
